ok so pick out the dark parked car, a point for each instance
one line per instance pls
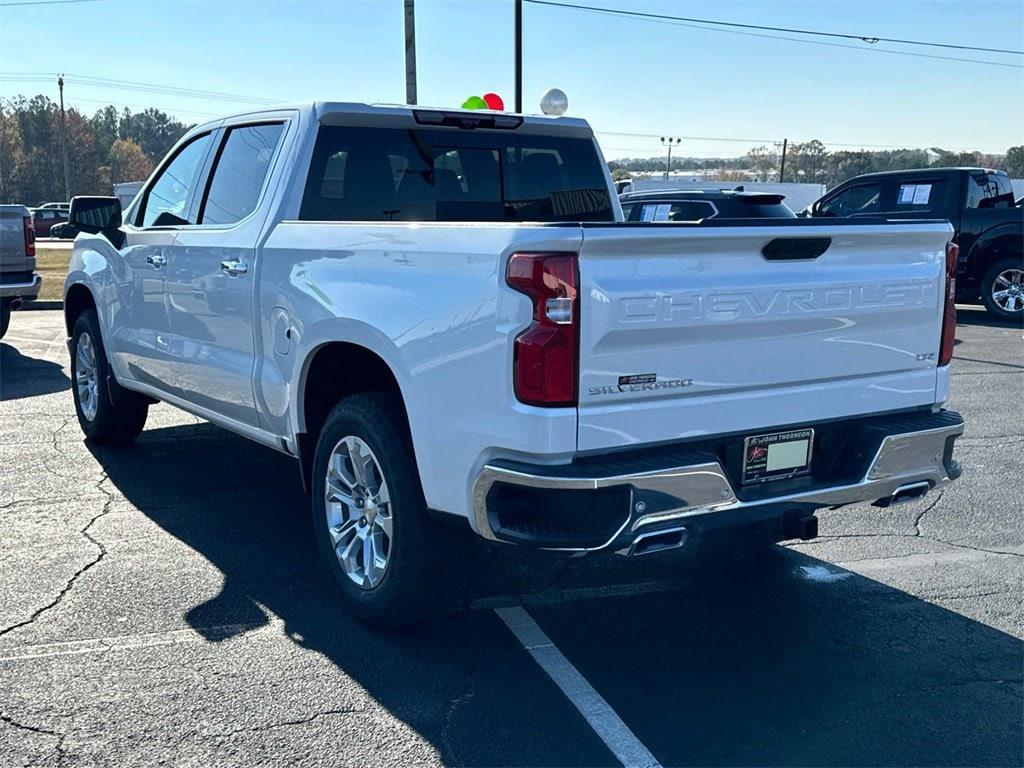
(44, 218)
(988, 224)
(65, 231)
(698, 204)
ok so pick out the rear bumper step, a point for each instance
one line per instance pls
(631, 505)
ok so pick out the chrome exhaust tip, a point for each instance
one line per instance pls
(657, 541)
(905, 493)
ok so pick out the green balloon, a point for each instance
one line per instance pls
(474, 102)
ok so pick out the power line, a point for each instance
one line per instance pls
(104, 103)
(870, 39)
(45, 2)
(131, 85)
(749, 141)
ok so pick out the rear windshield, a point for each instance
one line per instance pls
(393, 174)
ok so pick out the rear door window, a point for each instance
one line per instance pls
(239, 173)
(680, 210)
(920, 194)
(860, 200)
(391, 174)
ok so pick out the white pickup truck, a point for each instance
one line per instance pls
(443, 317)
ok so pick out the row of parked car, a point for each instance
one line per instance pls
(988, 222)
(51, 220)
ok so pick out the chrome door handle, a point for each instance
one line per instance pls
(157, 260)
(234, 268)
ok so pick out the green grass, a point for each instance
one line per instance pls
(52, 264)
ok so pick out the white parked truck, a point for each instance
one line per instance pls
(443, 317)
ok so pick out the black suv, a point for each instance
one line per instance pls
(699, 204)
(988, 224)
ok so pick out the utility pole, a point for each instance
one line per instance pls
(782, 163)
(669, 141)
(3, 133)
(63, 138)
(519, 55)
(410, 51)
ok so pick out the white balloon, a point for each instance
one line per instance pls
(554, 102)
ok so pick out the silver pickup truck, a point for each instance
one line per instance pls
(19, 282)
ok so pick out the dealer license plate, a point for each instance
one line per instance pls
(777, 456)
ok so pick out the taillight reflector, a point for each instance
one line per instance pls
(949, 308)
(545, 356)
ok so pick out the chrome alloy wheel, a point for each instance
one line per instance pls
(358, 512)
(86, 378)
(1008, 290)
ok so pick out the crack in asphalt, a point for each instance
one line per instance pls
(834, 536)
(100, 554)
(991, 362)
(289, 723)
(60, 737)
(926, 510)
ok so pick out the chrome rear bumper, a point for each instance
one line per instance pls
(904, 465)
(26, 291)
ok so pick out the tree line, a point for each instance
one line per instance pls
(812, 162)
(107, 148)
(115, 146)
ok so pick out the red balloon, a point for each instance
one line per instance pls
(494, 101)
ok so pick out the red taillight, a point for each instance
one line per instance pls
(949, 310)
(30, 236)
(545, 369)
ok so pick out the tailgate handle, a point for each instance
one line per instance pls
(796, 248)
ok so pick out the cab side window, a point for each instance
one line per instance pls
(239, 173)
(859, 200)
(917, 194)
(166, 201)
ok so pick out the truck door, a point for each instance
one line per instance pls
(211, 274)
(140, 331)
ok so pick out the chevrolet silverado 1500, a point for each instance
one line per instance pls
(443, 317)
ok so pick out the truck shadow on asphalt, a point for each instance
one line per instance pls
(22, 376)
(746, 664)
(976, 315)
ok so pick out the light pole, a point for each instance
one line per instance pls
(669, 141)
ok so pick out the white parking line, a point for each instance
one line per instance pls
(595, 710)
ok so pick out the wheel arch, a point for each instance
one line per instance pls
(998, 243)
(78, 298)
(330, 372)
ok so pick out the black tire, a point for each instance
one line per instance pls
(106, 421)
(425, 563)
(989, 288)
(5, 317)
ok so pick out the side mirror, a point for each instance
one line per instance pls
(98, 216)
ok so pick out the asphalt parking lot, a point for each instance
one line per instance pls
(162, 604)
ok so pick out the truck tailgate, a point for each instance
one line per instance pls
(12, 240)
(689, 331)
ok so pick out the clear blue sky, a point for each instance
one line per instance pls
(626, 76)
